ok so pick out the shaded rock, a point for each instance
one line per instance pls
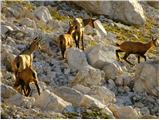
(28, 22)
(50, 102)
(88, 101)
(154, 4)
(76, 58)
(5, 29)
(147, 77)
(129, 12)
(124, 112)
(88, 76)
(7, 57)
(42, 13)
(69, 94)
(112, 70)
(7, 91)
(99, 55)
(102, 94)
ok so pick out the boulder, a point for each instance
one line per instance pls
(99, 55)
(154, 4)
(102, 94)
(7, 91)
(28, 22)
(76, 58)
(89, 102)
(82, 88)
(7, 57)
(69, 94)
(147, 77)
(98, 25)
(48, 101)
(129, 12)
(123, 112)
(5, 29)
(88, 76)
(21, 100)
(112, 70)
(43, 14)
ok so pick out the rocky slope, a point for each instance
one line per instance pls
(87, 84)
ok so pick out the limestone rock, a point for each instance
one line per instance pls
(124, 112)
(102, 94)
(48, 101)
(43, 14)
(112, 70)
(76, 58)
(88, 76)
(69, 94)
(129, 12)
(7, 91)
(99, 55)
(88, 101)
(147, 77)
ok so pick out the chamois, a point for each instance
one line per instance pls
(66, 40)
(80, 24)
(24, 78)
(25, 58)
(135, 48)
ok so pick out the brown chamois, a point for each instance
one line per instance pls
(24, 78)
(66, 40)
(25, 58)
(80, 24)
(135, 48)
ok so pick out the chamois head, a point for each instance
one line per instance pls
(72, 28)
(154, 42)
(35, 45)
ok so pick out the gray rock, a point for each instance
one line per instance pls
(147, 77)
(112, 70)
(69, 94)
(76, 58)
(129, 12)
(99, 55)
(43, 14)
(7, 91)
(123, 112)
(48, 101)
(88, 76)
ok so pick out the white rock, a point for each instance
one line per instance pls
(123, 112)
(69, 94)
(98, 25)
(102, 94)
(76, 58)
(50, 102)
(82, 88)
(99, 55)
(43, 14)
(112, 70)
(21, 100)
(129, 12)
(88, 76)
(28, 22)
(147, 77)
(5, 28)
(88, 101)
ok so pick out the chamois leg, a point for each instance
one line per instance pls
(82, 41)
(138, 59)
(79, 37)
(62, 52)
(144, 57)
(125, 58)
(117, 51)
(28, 90)
(37, 88)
